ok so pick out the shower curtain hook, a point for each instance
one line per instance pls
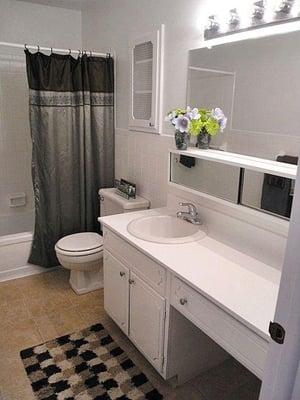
(38, 48)
(91, 53)
(51, 50)
(25, 46)
(70, 51)
(79, 52)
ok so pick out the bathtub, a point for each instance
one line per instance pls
(15, 248)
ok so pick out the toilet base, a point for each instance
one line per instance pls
(86, 281)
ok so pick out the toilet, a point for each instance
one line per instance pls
(82, 253)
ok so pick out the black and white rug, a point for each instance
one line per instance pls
(86, 365)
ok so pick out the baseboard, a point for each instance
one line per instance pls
(21, 272)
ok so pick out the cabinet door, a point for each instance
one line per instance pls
(116, 290)
(146, 82)
(147, 320)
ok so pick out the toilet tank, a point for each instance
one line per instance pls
(111, 203)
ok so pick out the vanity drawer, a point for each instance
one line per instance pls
(150, 271)
(238, 340)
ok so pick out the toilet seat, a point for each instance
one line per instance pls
(80, 244)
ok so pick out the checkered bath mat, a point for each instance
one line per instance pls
(86, 365)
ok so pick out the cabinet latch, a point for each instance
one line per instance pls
(277, 332)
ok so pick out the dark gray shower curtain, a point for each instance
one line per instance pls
(72, 129)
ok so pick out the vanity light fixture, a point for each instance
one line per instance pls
(284, 9)
(234, 21)
(213, 27)
(264, 21)
(258, 12)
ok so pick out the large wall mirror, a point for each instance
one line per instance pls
(257, 84)
(268, 193)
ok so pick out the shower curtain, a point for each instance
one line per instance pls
(72, 130)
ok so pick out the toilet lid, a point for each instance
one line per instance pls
(80, 242)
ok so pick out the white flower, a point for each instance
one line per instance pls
(182, 123)
(193, 114)
(218, 115)
(223, 123)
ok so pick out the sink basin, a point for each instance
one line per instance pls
(165, 229)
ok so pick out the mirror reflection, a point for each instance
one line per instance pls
(264, 192)
(209, 177)
(269, 193)
(236, 77)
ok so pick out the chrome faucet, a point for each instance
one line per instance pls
(191, 216)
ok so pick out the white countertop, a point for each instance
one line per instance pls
(241, 285)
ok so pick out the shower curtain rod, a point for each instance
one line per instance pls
(52, 49)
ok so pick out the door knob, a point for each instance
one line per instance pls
(183, 301)
(122, 273)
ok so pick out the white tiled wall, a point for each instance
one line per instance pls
(15, 142)
(143, 159)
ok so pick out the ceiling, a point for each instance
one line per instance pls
(70, 4)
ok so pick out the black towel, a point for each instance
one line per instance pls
(187, 161)
(277, 191)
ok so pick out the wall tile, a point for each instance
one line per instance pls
(15, 142)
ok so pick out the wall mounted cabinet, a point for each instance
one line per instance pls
(146, 55)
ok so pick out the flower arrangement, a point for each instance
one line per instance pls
(200, 122)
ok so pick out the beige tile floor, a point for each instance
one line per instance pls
(42, 307)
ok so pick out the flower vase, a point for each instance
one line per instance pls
(181, 140)
(203, 140)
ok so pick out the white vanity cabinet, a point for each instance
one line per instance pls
(168, 317)
(137, 308)
(240, 341)
(116, 290)
(147, 320)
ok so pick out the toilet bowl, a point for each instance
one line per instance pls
(82, 254)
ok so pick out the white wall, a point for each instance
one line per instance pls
(38, 24)
(108, 25)
(24, 23)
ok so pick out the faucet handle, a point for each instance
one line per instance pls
(192, 208)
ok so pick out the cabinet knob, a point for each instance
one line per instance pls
(122, 273)
(131, 281)
(183, 301)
